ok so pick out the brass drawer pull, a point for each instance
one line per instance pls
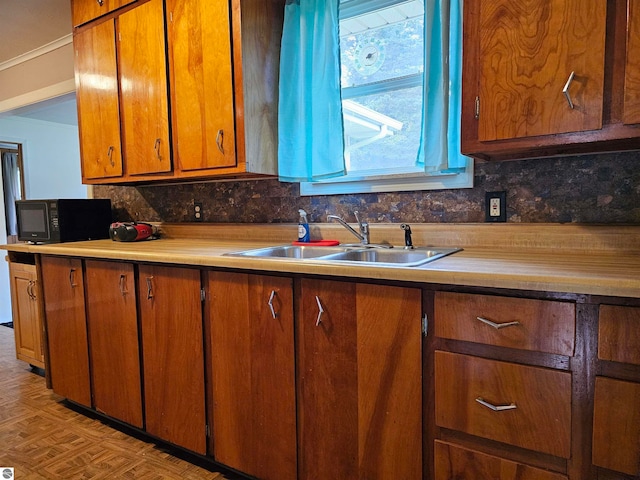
(496, 408)
(497, 326)
(565, 90)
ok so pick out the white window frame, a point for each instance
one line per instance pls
(384, 181)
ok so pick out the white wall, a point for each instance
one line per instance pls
(51, 156)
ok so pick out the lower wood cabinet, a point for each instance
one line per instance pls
(252, 375)
(359, 381)
(170, 308)
(26, 308)
(63, 287)
(113, 336)
(455, 462)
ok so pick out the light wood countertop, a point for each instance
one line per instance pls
(597, 260)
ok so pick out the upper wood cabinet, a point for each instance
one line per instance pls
(548, 77)
(83, 11)
(632, 66)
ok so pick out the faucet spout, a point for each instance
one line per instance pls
(363, 236)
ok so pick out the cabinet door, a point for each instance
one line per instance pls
(527, 52)
(202, 84)
(632, 67)
(359, 381)
(173, 355)
(616, 425)
(97, 98)
(143, 89)
(253, 373)
(27, 324)
(83, 11)
(63, 287)
(113, 336)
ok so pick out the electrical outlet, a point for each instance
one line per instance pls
(197, 211)
(495, 206)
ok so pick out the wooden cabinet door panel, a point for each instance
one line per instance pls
(541, 420)
(27, 324)
(527, 53)
(616, 425)
(359, 381)
(173, 356)
(63, 287)
(253, 373)
(455, 462)
(96, 75)
(632, 68)
(202, 84)
(619, 334)
(83, 11)
(143, 89)
(113, 336)
(543, 325)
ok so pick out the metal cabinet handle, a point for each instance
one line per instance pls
(270, 303)
(156, 147)
(496, 408)
(100, 2)
(220, 140)
(320, 312)
(565, 90)
(72, 276)
(149, 288)
(110, 155)
(497, 326)
(30, 290)
(122, 283)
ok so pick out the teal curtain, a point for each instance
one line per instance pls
(439, 151)
(310, 140)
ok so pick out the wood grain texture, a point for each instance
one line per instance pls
(113, 336)
(202, 84)
(173, 357)
(528, 50)
(632, 67)
(96, 75)
(616, 426)
(253, 374)
(543, 326)
(541, 421)
(144, 100)
(82, 11)
(453, 461)
(62, 282)
(359, 381)
(619, 334)
(25, 312)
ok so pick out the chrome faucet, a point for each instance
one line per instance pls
(363, 226)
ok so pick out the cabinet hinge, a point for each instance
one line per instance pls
(425, 325)
(477, 110)
(203, 295)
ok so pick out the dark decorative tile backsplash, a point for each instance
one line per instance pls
(601, 188)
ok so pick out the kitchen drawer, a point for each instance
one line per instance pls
(452, 461)
(542, 325)
(616, 425)
(619, 334)
(541, 419)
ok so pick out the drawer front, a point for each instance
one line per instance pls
(452, 461)
(616, 425)
(542, 325)
(619, 334)
(541, 419)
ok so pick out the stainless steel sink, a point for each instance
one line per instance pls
(398, 257)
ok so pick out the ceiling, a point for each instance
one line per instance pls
(26, 26)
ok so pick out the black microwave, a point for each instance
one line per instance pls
(63, 220)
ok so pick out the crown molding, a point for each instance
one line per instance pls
(43, 50)
(46, 93)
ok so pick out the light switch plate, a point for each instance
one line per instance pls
(495, 206)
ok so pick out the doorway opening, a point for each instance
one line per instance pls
(12, 185)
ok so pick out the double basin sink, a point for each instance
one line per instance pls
(361, 255)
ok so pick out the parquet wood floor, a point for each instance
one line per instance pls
(43, 438)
